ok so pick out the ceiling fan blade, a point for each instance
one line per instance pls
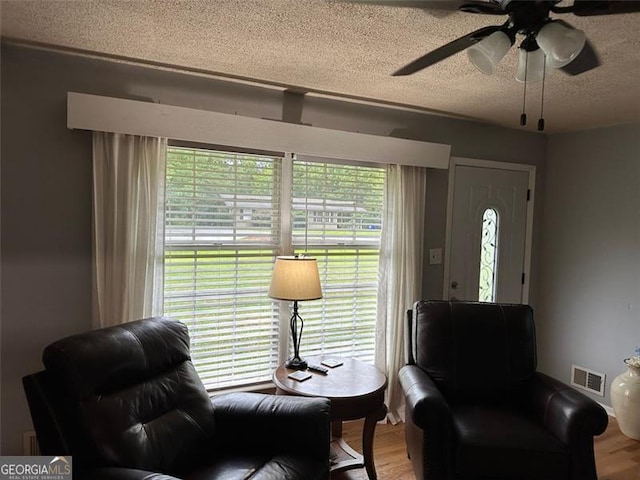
(585, 8)
(485, 8)
(586, 60)
(446, 51)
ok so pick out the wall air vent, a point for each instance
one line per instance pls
(588, 380)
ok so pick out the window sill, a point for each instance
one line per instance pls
(265, 387)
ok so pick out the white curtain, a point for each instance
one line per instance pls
(400, 273)
(128, 227)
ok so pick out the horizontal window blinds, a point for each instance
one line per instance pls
(337, 214)
(222, 231)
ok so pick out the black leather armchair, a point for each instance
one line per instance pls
(126, 403)
(475, 406)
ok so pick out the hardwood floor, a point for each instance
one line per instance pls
(617, 456)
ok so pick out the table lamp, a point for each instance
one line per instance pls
(295, 279)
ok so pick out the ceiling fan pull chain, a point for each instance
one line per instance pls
(523, 116)
(541, 119)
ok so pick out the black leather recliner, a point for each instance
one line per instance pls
(475, 406)
(126, 403)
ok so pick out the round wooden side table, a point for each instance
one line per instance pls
(356, 390)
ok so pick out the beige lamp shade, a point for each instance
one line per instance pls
(295, 278)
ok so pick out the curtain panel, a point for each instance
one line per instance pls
(400, 273)
(128, 227)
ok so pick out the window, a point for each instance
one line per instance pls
(221, 236)
(223, 228)
(488, 256)
(346, 243)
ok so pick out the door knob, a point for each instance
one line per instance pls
(454, 285)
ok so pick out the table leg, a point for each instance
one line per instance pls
(342, 456)
(336, 428)
(367, 440)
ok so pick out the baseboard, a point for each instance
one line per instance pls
(608, 409)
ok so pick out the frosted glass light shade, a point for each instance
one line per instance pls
(486, 54)
(295, 278)
(561, 44)
(535, 66)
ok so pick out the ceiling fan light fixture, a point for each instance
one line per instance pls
(486, 54)
(532, 69)
(560, 43)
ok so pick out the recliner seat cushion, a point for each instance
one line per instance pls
(505, 443)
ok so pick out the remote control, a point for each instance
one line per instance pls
(318, 368)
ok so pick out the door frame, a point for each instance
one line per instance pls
(473, 162)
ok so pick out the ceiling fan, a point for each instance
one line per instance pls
(547, 43)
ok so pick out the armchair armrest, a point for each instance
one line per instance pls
(573, 418)
(429, 424)
(113, 473)
(565, 412)
(425, 404)
(287, 424)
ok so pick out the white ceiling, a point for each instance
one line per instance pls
(343, 49)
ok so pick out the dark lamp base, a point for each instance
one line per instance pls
(296, 364)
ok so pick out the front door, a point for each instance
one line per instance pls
(488, 233)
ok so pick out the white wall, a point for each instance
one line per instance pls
(588, 308)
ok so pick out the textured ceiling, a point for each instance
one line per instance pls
(343, 49)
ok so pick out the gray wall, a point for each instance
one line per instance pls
(46, 187)
(588, 310)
